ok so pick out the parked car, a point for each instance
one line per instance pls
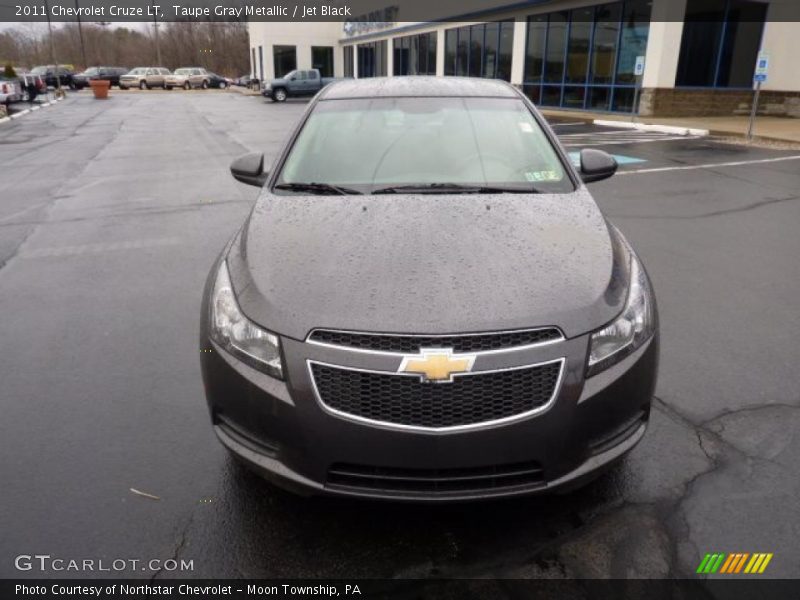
(144, 78)
(10, 90)
(295, 83)
(188, 78)
(53, 75)
(245, 81)
(427, 304)
(111, 74)
(216, 81)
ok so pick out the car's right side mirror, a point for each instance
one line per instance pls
(596, 165)
(249, 169)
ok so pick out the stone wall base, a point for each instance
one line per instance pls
(671, 102)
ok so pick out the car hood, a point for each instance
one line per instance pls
(429, 263)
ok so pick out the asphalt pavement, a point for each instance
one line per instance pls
(111, 214)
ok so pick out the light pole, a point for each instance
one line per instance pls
(80, 34)
(52, 48)
(155, 26)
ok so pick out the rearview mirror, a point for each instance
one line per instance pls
(249, 169)
(596, 165)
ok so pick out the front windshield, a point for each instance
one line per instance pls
(139, 71)
(39, 70)
(182, 71)
(91, 71)
(369, 145)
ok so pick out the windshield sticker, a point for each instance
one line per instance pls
(526, 127)
(542, 176)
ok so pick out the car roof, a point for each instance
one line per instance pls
(411, 86)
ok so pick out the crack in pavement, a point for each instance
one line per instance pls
(716, 213)
(193, 207)
(179, 546)
(57, 196)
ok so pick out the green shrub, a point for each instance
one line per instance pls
(9, 71)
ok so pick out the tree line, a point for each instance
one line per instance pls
(219, 47)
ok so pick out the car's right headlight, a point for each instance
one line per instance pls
(630, 330)
(237, 334)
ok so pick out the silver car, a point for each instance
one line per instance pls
(144, 78)
(188, 78)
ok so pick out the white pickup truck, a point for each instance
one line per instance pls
(10, 90)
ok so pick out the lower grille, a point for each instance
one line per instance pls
(436, 482)
(406, 401)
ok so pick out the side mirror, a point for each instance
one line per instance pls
(596, 165)
(249, 169)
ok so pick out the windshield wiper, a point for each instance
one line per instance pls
(455, 188)
(317, 188)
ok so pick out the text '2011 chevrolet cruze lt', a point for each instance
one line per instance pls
(426, 303)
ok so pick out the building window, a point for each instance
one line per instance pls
(604, 44)
(415, 54)
(285, 59)
(584, 58)
(720, 43)
(322, 59)
(482, 50)
(348, 61)
(372, 59)
(635, 28)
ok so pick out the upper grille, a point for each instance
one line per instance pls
(406, 401)
(473, 342)
(436, 482)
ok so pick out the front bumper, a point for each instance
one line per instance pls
(280, 430)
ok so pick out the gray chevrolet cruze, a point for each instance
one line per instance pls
(426, 303)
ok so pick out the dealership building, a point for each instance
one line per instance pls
(689, 57)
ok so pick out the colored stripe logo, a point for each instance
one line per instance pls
(734, 563)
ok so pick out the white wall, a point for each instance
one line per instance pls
(301, 35)
(664, 43)
(781, 41)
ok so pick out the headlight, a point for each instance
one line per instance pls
(237, 334)
(628, 331)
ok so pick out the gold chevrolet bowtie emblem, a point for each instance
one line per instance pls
(437, 364)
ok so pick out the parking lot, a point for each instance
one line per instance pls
(111, 214)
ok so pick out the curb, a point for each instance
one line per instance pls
(672, 129)
(21, 113)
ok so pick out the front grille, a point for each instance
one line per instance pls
(435, 482)
(406, 344)
(405, 400)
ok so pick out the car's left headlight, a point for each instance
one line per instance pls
(237, 334)
(630, 330)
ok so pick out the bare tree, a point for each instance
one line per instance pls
(219, 47)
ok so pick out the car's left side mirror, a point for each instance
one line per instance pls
(596, 165)
(249, 169)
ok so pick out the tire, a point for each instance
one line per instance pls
(123, 87)
(72, 85)
(204, 85)
(279, 95)
(143, 85)
(223, 85)
(167, 87)
(187, 86)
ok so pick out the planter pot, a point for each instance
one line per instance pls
(100, 88)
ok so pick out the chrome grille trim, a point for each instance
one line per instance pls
(310, 340)
(450, 429)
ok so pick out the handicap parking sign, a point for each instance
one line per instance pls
(762, 67)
